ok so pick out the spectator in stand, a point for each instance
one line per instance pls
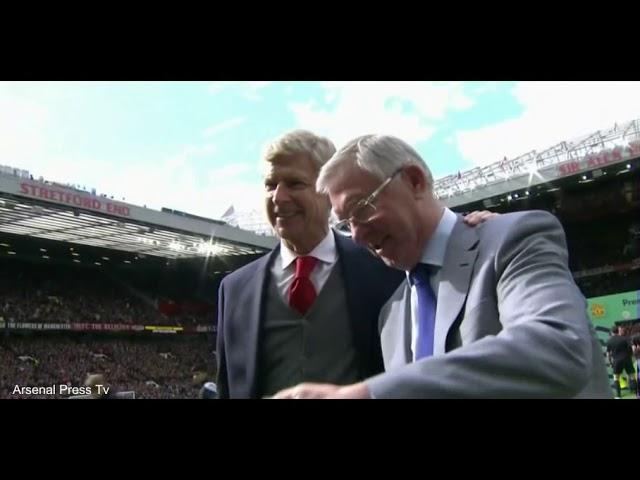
(635, 346)
(621, 359)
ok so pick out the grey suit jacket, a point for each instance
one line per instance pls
(510, 320)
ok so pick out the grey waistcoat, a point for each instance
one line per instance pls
(316, 347)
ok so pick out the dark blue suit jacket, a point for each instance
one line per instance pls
(242, 304)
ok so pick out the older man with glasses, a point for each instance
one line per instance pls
(491, 311)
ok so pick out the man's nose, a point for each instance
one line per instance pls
(280, 194)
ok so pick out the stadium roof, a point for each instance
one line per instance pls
(585, 154)
(52, 211)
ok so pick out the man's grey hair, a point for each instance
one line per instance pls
(320, 149)
(380, 155)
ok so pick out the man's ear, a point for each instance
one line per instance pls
(416, 179)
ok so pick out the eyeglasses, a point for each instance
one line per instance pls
(364, 210)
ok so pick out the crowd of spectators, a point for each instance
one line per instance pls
(150, 367)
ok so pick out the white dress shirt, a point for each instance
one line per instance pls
(283, 270)
(433, 255)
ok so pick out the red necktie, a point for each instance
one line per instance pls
(302, 292)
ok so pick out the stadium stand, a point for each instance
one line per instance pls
(96, 286)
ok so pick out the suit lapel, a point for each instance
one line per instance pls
(256, 308)
(356, 294)
(455, 276)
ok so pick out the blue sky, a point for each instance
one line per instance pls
(195, 146)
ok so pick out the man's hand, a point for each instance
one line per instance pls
(477, 217)
(324, 390)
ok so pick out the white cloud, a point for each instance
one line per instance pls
(217, 87)
(249, 90)
(225, 125)
(485, 87)
(208, 149)
(553, 112)
(23, 125)
(175, 182)
(375, 107)
(229, 171)
(252, 90)
(181, 191)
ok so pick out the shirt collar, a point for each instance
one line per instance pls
(434, 252)
(325, 251)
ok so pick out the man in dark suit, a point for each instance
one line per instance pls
(308, 310)
(278, 323)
